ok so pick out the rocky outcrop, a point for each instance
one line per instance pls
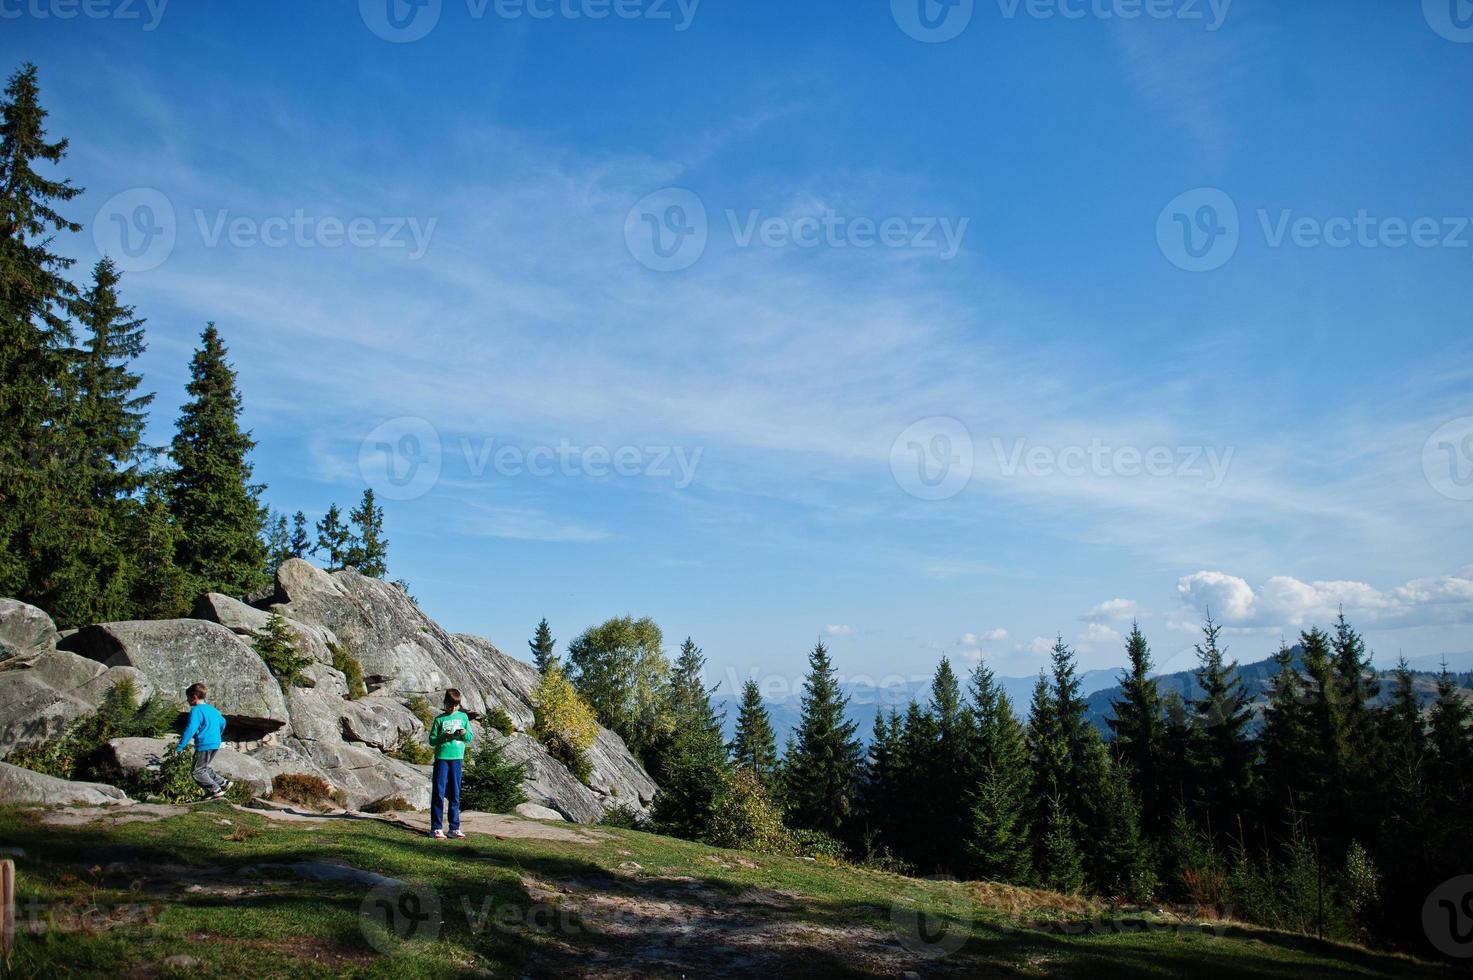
(314, 642)
(25, 631)
(42, 696)
(19, 785)
(134, 755)
(314, 729)
(175, 653)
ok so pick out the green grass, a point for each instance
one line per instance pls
(122, 899)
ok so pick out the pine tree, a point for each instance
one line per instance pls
(1047, 761)
(1320, 761)
(1119, 857)
(1359, 787)
(753, 746)
(541, 646)
(1286, 733)
(334, 540)
(915, 750)
(822, 773)
(693, 763)
(158, 588)
(880, 785)
(299, 545)
(949, 772)
(216, 507)
(278, 541)
(1221, 753)
(997, 842)
(368, 550)
(1450, 740)
(41, 513)
(1060, 866)
(1138, 729)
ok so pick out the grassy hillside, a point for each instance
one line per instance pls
(217, 890)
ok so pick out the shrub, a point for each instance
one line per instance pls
(389, 804)
(625, 816)
(574, 759)
(561, 713)
(304, 789)
(744, 817)
(490, 783)
(70, 754)
(411, 750)
(421, 709)
(352, 670)
(172, 782)
(499, 721)
(817, 844)
(277, 647)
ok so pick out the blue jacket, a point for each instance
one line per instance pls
(206, 726)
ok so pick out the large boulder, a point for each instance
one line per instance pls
(24, 630)
(133, 755)
(379, 722)
(246, 621)
(19, 785)
(316, 712)
(549, 783)
(367, 776)
(40, 698)
(175, 653)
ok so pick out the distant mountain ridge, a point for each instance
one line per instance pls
(1099, 687)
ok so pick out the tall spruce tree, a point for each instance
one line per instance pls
(1286, 733)
(822, 774)
(1359, 799)
(693, 762)
(947, 813)
(1138, 728)
(753, 745)
(41, 513)
(216, 507)
(541, 646)
(334, 539)
(158, 588)
(1118, 857)
(997, 842)
(880, 786)
(368, 551)
(1221, 752)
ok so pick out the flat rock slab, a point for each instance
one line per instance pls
(113, 816)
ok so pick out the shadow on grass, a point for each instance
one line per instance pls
(563, 915)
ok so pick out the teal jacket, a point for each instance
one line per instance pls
(206, 727)
(450, 734)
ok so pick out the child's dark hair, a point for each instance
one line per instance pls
(452, 698)
(197, 690)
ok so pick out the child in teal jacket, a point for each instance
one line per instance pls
(450, 733)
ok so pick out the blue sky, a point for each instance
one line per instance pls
(1036, 407)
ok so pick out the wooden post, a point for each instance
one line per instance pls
(7, 907)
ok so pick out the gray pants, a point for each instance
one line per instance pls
(206, 776)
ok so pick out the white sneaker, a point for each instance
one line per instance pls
(438, 835)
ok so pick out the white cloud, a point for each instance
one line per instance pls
(971, 644)
(1112, 610)
(1039, 645)
(839, 630)
(1283, 601)
(1098, 633)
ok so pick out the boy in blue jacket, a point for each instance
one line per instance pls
(206, 728)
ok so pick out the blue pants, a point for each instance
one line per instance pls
(446, 789)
